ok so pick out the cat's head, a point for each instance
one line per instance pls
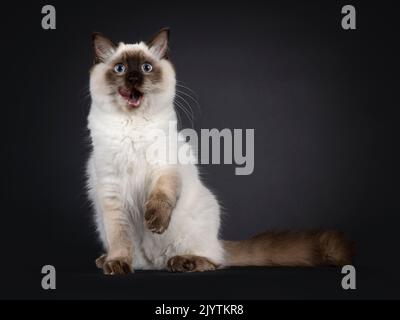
(132, 77)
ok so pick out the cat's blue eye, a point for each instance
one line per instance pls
(147, 67)
(119, 68)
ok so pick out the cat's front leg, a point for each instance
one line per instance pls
(162, 200)
(118, 230)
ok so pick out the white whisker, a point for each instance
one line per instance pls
(184, 110)
(186, 104)
(190, 97)
(182, 85)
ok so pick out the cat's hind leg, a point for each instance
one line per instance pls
(115, 266)
(190, 263)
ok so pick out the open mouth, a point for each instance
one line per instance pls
(132, 96)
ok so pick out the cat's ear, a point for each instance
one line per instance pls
(103, 47)
(158, 45)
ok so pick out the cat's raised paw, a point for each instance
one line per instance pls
(116, 266)
(157, 215)
(100, 261)
(190, 263)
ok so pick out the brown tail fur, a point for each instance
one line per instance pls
(308, 248)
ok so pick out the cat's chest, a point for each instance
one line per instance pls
(127, 150)
(122, 149)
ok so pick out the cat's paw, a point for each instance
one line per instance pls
(190, 263)
(100, 261)
(157, 215)
(116, 266)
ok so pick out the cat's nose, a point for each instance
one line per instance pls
(133, 78)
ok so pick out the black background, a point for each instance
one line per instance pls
(323, 102)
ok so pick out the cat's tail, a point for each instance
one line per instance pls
(307, 248)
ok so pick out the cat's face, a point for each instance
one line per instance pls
(129, 77)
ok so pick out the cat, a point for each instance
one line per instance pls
(157, 215)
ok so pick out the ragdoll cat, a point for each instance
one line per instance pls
(157, 215)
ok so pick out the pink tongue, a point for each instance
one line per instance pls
(133, 101)
(131, 96)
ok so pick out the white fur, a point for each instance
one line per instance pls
(118, 167)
